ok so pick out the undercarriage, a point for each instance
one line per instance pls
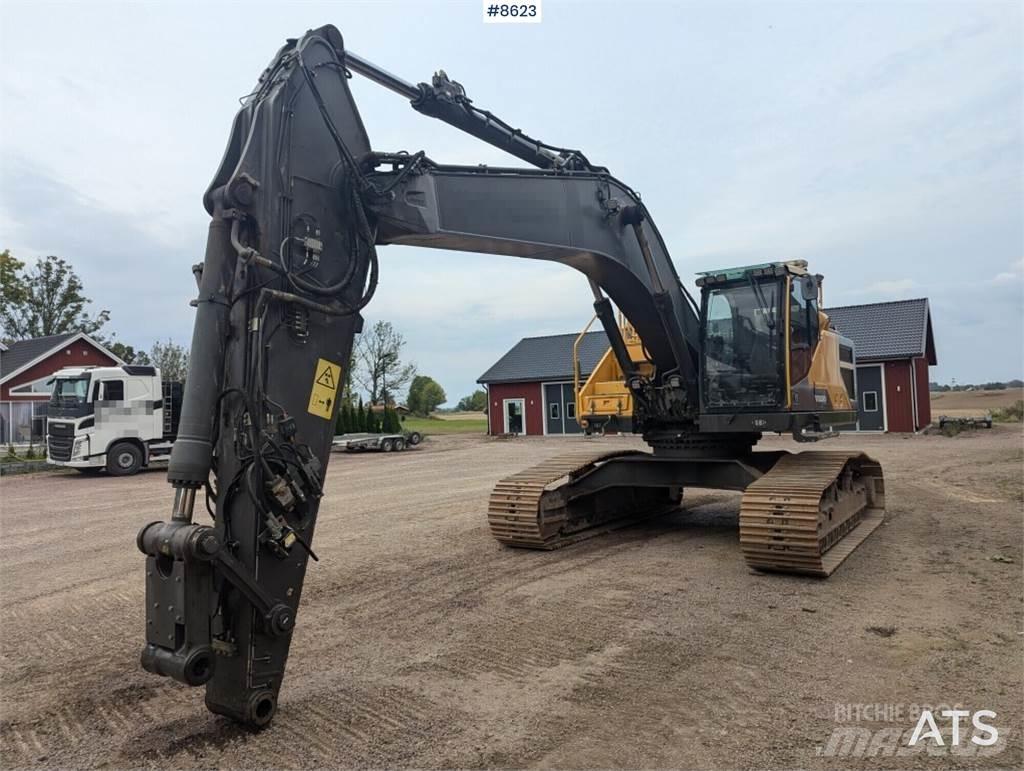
(801, 512)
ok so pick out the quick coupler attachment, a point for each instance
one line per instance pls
(179, 593)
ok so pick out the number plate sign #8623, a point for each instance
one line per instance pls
(511, 13)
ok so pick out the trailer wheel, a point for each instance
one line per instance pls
(124, 459)
(387, 446)
(399, 444)
(415, 438)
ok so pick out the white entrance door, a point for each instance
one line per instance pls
(515, 416)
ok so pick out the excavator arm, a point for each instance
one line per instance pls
(298, 206)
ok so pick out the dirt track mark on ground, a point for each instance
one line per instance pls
(421, 642)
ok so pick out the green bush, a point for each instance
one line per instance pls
(1012, 414)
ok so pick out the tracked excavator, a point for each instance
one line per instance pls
(299, 205)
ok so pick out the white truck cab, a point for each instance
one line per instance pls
(116, 418)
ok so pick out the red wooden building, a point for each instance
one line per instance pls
(26, 365)
(530, 388)
(894, 346)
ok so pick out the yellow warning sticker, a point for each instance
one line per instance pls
(325, 389)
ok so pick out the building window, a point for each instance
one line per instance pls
(18, 424)
(870, 399)
(553, 411)
(570, 410)
(40, 387)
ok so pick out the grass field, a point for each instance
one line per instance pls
(458, 423)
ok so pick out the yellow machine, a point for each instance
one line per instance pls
(824, 375)
(604, 402)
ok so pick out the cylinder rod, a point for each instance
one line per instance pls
(370, 70)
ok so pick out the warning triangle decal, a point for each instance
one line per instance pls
(326, 378)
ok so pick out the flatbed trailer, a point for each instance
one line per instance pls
(968, 421)
(375, 442)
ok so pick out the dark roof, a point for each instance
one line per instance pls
(546, 358)
(890, 330)
(23, 352)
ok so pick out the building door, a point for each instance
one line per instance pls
(554, 416)
(870, 399)
(569, 410)
(515, 416)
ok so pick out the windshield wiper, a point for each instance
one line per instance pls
(766, 309)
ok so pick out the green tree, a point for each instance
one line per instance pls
(392, 425)
(425, 395)
(340, 425)
(360, 421)
(45, 299)
(128, 353)
(380, 370)
(475, 402)
(12, 288)
(171, 358)
(348, 394)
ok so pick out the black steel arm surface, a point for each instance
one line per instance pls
(579, 219)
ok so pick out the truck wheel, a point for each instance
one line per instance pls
(399, 444)
(124, 459)
(387, 446)
(415, 438)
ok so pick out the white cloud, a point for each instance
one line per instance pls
(890, 289)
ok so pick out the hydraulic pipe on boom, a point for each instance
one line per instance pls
(446, 100)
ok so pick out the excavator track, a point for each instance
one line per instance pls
(810, 511)
(527, 510)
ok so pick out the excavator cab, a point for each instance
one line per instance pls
(770, 360)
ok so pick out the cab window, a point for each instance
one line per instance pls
(113, 391)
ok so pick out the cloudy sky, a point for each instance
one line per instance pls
(881, 142)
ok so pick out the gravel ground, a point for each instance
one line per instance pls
(422, 643)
